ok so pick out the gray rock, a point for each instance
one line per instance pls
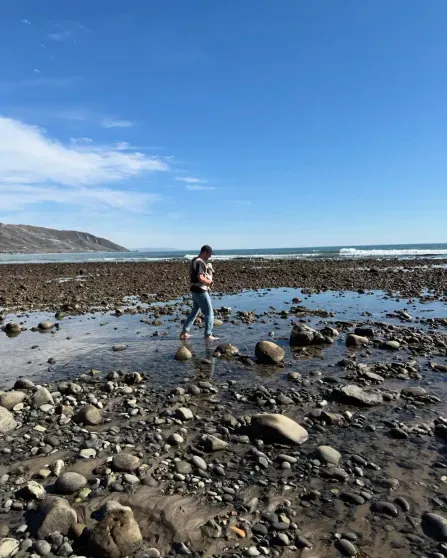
(386, 508)
(278, 429)
(13, 327)
(175, 439)
(89, 415)
(226, 350)
(46, 325)
(182, 354)
(353, 340)
(413, 391)
(55, 514)
(268, 352)
(7, 422)
(23, 383)
(345, 547)
(42, 548)
(183, 413)
(199, 462)
(364, 331)
(41, 397)
(329, 455)
(125, 462)
(69, 483)
(116, 535)
(212, 443)
(119, 347)
(12, 398)
(183, 467)
(390, 345)
(65, 549)
(356, 395)
(435, 526)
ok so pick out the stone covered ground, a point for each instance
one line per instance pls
(327, 441)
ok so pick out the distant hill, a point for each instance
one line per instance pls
(25, 239)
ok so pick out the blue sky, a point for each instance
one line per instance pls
(240, 123)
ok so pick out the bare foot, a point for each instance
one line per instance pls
(184, 335)
(211, 338)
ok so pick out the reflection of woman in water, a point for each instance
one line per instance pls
(204, 367)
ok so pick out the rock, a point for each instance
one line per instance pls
(435, 526)
(277, 429)
(57, 467)
(329, 455)
(175, 439)
(398, 433)
(35, 490)
(41, 397)
(45, 325)
(199, 462)
(183, 467)
(183, 413)
(12, 398)
(42, 548)
(268, 352)
(116, 535)
(119, 347)
(12, 327)
(23, 383)
(413, 391)
(303, 335)
(390, 345)
(364, 331)
(55, 514)
(345, 547)
(69, 483)
(356, 395)
(403, 504)
(7, 422)
(212, 443)
(8, 547)
(182, 354)
(89, 415)
(353, 340)
(386, 508)
(125, 462)
(226, 350)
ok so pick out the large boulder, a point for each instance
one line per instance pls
(89, 415)
(55, 514)
(7, 422)
(268, 352)
(357, 396)
(12, 398)
(277, 429)
(41, 397)
(116, 535)
(69, 483)
(303, 335)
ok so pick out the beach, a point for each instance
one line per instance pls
(358, 363)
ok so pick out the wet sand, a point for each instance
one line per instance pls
(254, 497)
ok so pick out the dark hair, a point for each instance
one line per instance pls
(207, 248)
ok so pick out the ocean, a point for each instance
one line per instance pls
(401, 251)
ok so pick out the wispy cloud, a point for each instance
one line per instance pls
(190, 180)
(199, 187)
(116, 123)
(61, 36)
(35, 168)
(36, 71)
(26, 21)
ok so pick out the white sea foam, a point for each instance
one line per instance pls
(224, 257)
(356, 253)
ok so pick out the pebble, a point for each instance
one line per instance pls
(346, 547)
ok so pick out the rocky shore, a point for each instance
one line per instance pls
(79, 288)
(304, 433)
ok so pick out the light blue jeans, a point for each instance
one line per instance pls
(201, 301)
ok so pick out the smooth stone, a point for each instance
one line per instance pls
(329, 455)
(8, 547)
(41, 397)
(89, 415)
(42, 548)
(435, 526)
(12, 398)
(386, 508)
(45, 325)
(268, 352)
(183, 413)
(182, 354)
(274, 428)
(353, 340)
(55, 514)
(125, 462)
(69, 483)
(199, 462)
(345, 547)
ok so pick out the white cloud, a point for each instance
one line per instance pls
(26, 21)
(114, 123)
(36, 71)
(199, 187)
(61, 36)
(190, 179)
(35, 168)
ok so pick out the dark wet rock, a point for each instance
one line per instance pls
(89, 415)
(125, 462)
(41, 397)
(46, 325)
(413, 391)
(336, 473)
(23, 383)
(7, 422)
(69, 483)
(386, 508)
(364, 331)
(55, 514)
(13, 328)
(226, 350)
(352, 498)
(279, 429)
(353, 340)
(356, 395)
(328, 455)
(213, 443)
(268, 352)
(403, 504)
(303, 335)
(435, 526)
(10, 399)
(116, 535)
(182, 354)
(345, 547)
